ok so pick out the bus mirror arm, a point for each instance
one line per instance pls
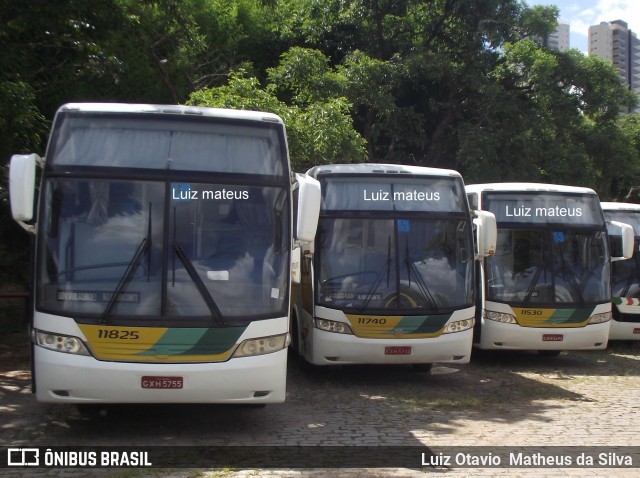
(486, 233)
(627, 235)
(22, 181)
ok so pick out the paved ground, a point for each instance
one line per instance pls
(586, 399)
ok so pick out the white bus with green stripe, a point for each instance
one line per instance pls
(625, 275)
(547, 287)
(389, 276)
(163, 254)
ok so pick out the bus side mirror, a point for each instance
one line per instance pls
(627, 236)
(486, 233)
(22, 181)
(309, 198)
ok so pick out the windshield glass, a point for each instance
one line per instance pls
(548, 266)
(624, 274)
(403, 265)
(223, 253)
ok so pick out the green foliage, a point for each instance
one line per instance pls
(304, 76)
(625, 185)
(318, 132)
(456, 84)
(539, 21)
(551, 117)
(22, 126)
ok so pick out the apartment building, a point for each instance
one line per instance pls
(614, 41)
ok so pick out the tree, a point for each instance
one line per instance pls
(550, 116)
(625, 185)
(319, 130)
(421, 61)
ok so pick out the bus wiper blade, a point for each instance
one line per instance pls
(126, 277)
(420, 282)
(571, 275)
(573, 281)
(202, 289)
(378, 279)
(536, 276)
(532, 285)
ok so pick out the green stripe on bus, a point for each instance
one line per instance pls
(195, 341)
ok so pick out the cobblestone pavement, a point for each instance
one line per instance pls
(586, 399)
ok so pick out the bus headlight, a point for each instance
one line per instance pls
(60, 343)
(262, 345)
(600, 318)
(333, 326)
(459, 326)
(500, 317)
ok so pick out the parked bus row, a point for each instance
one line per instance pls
(390, 278)
(167, 239)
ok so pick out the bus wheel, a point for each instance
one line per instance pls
(422, 367)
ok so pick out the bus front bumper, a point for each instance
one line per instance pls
(66, 378)
(345, 349)
(501, 336)
(625, 330)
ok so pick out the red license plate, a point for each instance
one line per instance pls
(161, 382)
(552, 337)
(397, 350)
(636, 331)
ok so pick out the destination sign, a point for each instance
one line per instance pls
(545, 207)
(441, 194)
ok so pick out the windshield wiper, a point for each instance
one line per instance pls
(378, 278)
(532, 285)
(193, 275)
(202, 289)
(142, 249)
(126, 278)
(420, 282)
(536, 277)
(571, 275)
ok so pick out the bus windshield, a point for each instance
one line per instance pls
(552, 249)
(408, 265)
(625, 280)
(118, 248)
(548, 266)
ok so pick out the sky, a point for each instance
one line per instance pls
(581, 14)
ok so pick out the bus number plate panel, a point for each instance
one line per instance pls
(161, 382)
(636, 331)
(552, 337)
(397, 350)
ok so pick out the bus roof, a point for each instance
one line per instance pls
(378, 168)
(522, 187)
(620, 206)
(170, 109)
